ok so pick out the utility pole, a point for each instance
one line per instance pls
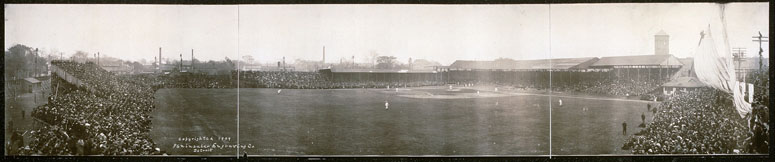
(760, 38)
(158, 65)
(739, 55)
(36, 63)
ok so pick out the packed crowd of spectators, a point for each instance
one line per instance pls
(107, 115)
(695, 122)
(604, 86)
(182, 80)
(105, 84)
(759, 129)
(621, 87)
(312, 80)
(608, 84)
(280, 79)
(605, 83)
(706, 122)
(152, 80)
(760, 118)
(108, 127)
(196, 81)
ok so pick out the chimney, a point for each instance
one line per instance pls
(36, 62)
(661, 43)
(410, 63)
(324, 54)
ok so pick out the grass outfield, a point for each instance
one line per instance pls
(597, 130)
(355, 122)
(194, 113)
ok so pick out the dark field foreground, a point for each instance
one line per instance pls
(355, 122)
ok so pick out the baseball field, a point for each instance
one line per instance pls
(417, 121)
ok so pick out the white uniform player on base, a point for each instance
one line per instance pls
(560, 102)
(386, 105)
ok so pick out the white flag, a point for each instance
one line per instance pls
(715, 67)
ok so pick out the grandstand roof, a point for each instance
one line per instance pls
(543, 64)
(468, 64)
(686, 61)
(336, 70)
(31, 80)
(684, 82)
(561, 63)
(640, 60)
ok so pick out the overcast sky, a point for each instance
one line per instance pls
(442, 33)
(126, 31)
(629, 29)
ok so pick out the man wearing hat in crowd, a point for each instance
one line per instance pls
(80, 147)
